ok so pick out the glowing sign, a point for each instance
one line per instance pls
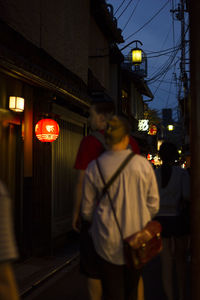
(143, 125)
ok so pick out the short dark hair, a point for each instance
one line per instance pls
(104, 107)
(118, 127)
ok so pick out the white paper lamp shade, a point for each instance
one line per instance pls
(16, 103)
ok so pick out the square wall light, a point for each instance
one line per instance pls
(16, 104)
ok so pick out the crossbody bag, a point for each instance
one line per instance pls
(142, 246)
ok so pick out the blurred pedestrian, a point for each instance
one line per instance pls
(90, 148)
(135, 199)
(174, 187)
(8, 250)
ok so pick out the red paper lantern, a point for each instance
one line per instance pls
(153, 130)
(47, 130)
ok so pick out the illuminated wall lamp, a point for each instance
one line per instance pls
(16, 104)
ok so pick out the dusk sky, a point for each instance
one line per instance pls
(151, 22)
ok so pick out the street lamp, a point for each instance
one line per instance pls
(170, 127)
(137, 58)
(136, 54)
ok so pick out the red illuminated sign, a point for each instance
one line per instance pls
(47, 130)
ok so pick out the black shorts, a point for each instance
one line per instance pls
(89, 260)
(118, 281)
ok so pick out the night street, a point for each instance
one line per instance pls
(68, 283)
(114, 82)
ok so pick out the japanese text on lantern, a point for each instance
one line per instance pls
(47, 130)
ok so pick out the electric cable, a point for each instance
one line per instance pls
(163, 54)
(124, 9)
(134, 9)
(147, 21)
(161, 82)
(119, 7)
(162, 50)
(164, 90)
(165, 67)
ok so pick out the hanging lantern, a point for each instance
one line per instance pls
(136, 56)
(47, 130)
(149, 156)
(152, 130)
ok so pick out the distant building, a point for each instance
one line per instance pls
(167, 116)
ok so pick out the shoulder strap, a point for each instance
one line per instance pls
(108, 184)
(115, 175)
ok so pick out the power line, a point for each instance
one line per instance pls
(164, 90)
(119, 7)
(167, 65)
(147, 21)
(124, 9)
(161, 50)
(160, 83)
(134, 9)
(162, 54)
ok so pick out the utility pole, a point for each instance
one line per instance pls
(194, 10)
(180, 16)
(182, 65)
(183, 92)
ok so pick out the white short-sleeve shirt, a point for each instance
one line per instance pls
(135, 198)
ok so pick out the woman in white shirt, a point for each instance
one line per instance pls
(174, 186)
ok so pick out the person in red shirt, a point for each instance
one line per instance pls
(90, 148)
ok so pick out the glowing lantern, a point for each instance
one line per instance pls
(47, 130)
(136, 56)
(153, 130)
(16, 103)
(148, 156)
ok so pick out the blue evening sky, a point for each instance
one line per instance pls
(151, 22)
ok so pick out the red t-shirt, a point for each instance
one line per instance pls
(90, 149)
(134, 145)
